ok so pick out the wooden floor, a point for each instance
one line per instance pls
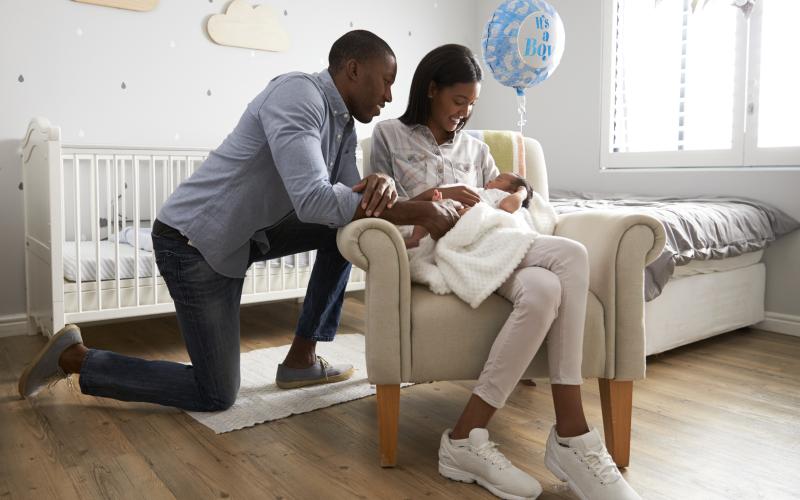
(717, 419)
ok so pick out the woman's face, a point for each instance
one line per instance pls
(451, 105)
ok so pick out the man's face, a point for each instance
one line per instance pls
(373, 87)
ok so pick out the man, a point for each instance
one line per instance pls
(280, 183)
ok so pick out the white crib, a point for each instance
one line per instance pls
(88, 210)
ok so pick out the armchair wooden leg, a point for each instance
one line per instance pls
(616, 400)
(388, 417)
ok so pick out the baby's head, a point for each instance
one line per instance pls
(510, 183)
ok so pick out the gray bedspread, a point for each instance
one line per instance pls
(696, 228)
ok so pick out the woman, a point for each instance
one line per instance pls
(426, 148)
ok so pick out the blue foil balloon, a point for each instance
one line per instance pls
(523, 43)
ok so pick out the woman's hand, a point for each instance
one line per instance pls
(460, 193)
(379, 191)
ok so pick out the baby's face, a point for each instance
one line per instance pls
(502, 182)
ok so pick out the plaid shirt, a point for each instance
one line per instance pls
(410, 155)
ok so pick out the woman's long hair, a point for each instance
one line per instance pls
(445, 66)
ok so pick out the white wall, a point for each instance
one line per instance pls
(564, 114)
(74, 57)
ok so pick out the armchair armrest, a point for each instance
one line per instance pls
(620, 245)
(376, 246)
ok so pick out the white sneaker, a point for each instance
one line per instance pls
(477, 459)
(584, 463)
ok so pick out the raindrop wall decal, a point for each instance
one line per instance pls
(123, 86)
(20, 78)
(208, 92)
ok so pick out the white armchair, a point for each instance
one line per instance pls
(406, 340)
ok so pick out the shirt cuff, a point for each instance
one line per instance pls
(347, 201)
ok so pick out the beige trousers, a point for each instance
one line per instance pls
(548, 291)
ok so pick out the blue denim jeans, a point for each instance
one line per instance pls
(207, 306)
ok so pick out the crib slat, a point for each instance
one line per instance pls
(96, 228)
(268, 272)
(172, 162)
(136, 166)
(297, 271)
(110, 219)
(116, 231)
(283, 273)
(153, 267)
(77, 228)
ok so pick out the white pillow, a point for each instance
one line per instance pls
(127, 236)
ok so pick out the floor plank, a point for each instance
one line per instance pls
(716, 419)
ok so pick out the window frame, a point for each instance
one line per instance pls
(743, 153)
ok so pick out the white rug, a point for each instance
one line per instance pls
(260, 400)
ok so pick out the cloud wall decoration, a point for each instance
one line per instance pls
(138, 5)
(249, 27)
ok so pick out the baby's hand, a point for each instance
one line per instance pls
(411, 243)
(437, 195)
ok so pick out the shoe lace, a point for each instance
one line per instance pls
(601, 463)
(58, 377)
(325, 366)
(488, 451)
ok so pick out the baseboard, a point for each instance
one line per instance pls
(13, 324)
(788, 324)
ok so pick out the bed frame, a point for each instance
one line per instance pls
(92, 192)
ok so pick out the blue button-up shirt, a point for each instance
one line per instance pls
(293, 150)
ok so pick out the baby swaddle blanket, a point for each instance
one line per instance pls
(475, 257)
(481, 251)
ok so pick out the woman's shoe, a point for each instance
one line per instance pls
(584, 463)
(477, 459)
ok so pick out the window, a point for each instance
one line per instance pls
(710, 85)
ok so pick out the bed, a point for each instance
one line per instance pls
(710, 278)
(88, 214)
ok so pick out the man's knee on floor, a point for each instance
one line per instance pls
(222, 397)
(220, 402)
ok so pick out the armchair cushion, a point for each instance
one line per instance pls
(451, 341)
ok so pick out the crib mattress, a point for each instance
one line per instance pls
(127, 261)
(107, 261)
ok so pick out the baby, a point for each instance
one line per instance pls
(508, 191)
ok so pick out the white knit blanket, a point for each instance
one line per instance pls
(475, 257)
(481, 251)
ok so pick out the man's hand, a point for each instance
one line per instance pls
(460, 193)
(379, 193)
(441, 219)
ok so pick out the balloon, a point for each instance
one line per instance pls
(523, 43)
